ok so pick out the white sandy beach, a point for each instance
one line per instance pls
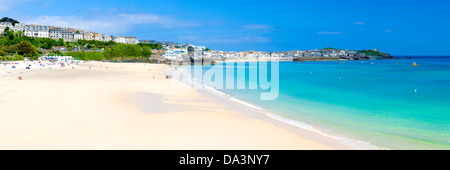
(124, 107)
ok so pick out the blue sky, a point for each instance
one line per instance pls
(399, 27)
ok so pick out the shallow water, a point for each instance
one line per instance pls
(388, 103)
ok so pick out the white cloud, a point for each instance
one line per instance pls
(386, 30)
(112, 24)
(239, 39)
(359, 23)
(263, 27)
(329, 33)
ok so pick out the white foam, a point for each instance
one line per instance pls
(245, 103)
(352, 143)
(214, 90)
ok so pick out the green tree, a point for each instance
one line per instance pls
(12, 21)
(19, 34)
(69, 46)
(6, 30)
(60, 42)
(10, 35)
(190, 48)
(81, 42)
(25, 48)
(152, 46)
(126, 51)
(146, 52)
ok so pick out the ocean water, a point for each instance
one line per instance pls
(386, 103)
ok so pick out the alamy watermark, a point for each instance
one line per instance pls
(262, 75)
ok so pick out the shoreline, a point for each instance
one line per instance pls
(293, 125)
(388, 143)
(85, 108)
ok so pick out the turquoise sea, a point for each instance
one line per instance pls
(387, 103)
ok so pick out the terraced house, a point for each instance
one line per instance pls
(67, 34)
(36, 30)
(15, 28)
(126, 40)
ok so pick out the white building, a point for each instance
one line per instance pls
(200, 47)
(55, 32)
(176, 53)
(275, 55)
(36, 31)
(120, 39)
(131, 40)
(64, 33)
(78, 36)
(17, 27)
(88, 36)
(3, 26)
(198, 53)
(98, 37)
(106, 38)
(208, 54)
(126, 40)
(68, 34)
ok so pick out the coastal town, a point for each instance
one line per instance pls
(67, 34)
(170, 51)
(224, 84)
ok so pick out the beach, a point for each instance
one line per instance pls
(97, 105)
